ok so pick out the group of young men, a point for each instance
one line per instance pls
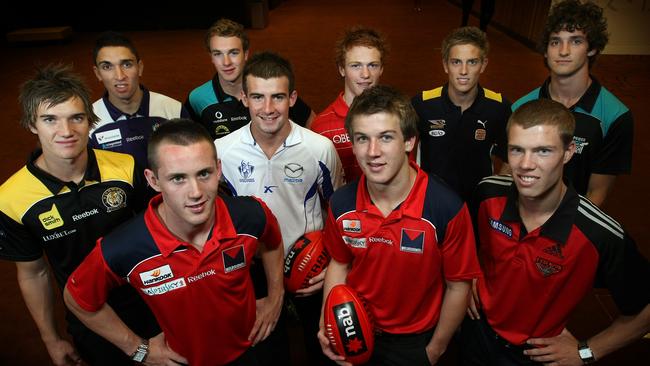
(158, 267)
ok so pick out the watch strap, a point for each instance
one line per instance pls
(583, 346)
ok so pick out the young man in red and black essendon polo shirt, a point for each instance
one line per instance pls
(188, 255)
(401, 239)
(542, 248)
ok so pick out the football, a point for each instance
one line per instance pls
(306, 259)
(348, 325)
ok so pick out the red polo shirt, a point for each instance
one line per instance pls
(204, 301)
(400, 263)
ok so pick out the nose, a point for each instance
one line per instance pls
(268, 105)
(373, 147)
(119, 73)
(65, 129)
(565, 49)
(365, 72)
(226, 60)
(527, 161)
(463, 68)
(195, 190)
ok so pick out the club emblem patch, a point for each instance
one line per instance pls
(547, 268)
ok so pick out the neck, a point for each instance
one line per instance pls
(535, 212)
(463, 100)
(196, 235)
(232, 88)
(348, 97)
(66, 170)
(569, 89)
(129, 106)
(388, 196)
(271, 142)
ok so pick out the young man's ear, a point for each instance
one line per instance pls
(152, 179)
(568, 153)
(409, 144)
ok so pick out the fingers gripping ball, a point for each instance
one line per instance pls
(348, 325)
(306, 259)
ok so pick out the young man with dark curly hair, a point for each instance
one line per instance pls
(574, 35)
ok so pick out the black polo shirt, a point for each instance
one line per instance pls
(603, 136)
(458, 146)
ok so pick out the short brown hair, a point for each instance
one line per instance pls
(544, 112)
(572, 15)
(267, 65)
(177, 131)
(227, 28)
(465, 35)
(360, 36)
(382, 98)
(52, 85)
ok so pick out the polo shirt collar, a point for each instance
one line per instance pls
(295, 136)
(586, 102)
(451, 106)
(167, 242)
(116, 114)
(341, 108)
(558, 226)
(222, 96)
(54, 184)
(412, 205)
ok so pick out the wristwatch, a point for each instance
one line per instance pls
(141, 352)
(585, 353)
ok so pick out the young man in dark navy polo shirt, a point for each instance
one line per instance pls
(574, 35)
(462, 124)
(188, 256)
(127, 112)
(542, 248)
(400, 238)
(217, 103)
(58, 204)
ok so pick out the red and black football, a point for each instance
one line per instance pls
(348, 325)
(306, 259)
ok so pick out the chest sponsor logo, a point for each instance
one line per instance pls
(412, 241)
(581, 143)
(156, 275)
(165, 287)
(501, 227)
(58, 235)
(221, 130)
(547, 268)
(246, 170)
(352, 226)
(85, 214)
(135, 138)
(293, 172)
(218, 115)
(355, 242)
(341, 138)
(202, 275)
(437, 127)
(480, 133)
(51, 219)
(233, 258)
(109, 136)
(379, 240)
(554, 250)
(437, 133)
(114, 199)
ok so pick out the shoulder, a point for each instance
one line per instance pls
(344, 199)
(534, 94)
(315, 142)
(611, 107)
(247, 214)
(114, 165)
(599, 227)
(493, 186)
(164, 105)
(493, 96)
(17, 194)
(127, 245)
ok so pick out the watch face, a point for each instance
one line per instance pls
(139, 356)
(585, 353)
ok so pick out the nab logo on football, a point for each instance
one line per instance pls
(349, 330)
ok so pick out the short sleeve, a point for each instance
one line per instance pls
(334, 242)
(458, 249)
(16, 243)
